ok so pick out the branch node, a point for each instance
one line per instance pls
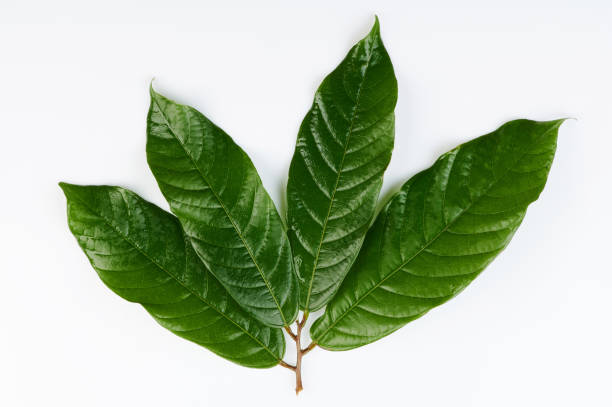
(297, 369)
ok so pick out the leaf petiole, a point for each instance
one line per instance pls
(290, 332)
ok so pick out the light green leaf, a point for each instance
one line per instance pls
(141, 253)
(343, 148)
(215, 191)
(442, 228)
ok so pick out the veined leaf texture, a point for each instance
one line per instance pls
(343, 148)
(215, 191)
(442, 228)
(141, 253)
(223, 271)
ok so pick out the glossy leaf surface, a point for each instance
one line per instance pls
(442, 228)
(141, 253)
(215, 191)
(343, 148)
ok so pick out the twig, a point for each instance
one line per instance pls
(297, 337)
(287, 365)
(309, 348)
(290, 332)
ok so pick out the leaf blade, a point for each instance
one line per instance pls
(439, 232)
(141, 253)
(215, 191)
(343, 148)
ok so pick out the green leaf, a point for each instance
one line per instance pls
(215, 191)
(141, 253)
(343, 148)
(442, 228)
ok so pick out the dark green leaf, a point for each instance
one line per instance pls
(343, 148)
(141, 253)
(442, 228)
(215, 191)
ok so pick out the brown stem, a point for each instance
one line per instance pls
(287, 365)
(298, 362)
(300, 352)
(290, 332)
(309, 348)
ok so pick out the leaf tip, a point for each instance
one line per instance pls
(555, 124)
(151, 90)
(74, 191)
(64, 185)
(564, 119)
(67, 188)
(376, 27)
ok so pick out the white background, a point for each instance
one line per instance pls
(533, 330)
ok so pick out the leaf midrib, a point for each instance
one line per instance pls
(423, 248)
(197, 167)
(333, 195)
(137, 247)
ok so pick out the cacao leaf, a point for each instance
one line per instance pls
(442, 228)
(213, 188)
(141, 253)
(343, 148)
